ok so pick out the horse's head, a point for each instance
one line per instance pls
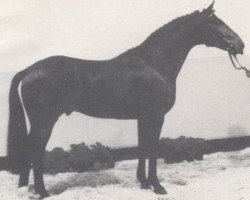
(216, 33)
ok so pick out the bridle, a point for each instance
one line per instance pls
(231, 56)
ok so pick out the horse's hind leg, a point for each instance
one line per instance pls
(38, 137)
(142, 155)
(24, 174)
(25, 167)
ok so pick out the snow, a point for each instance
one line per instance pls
(219, 176)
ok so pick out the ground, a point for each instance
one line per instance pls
(219, 176)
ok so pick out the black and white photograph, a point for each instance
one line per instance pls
(125, 99)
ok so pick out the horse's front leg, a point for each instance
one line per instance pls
(150, 127)
(153, 155)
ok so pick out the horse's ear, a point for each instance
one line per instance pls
(210, 8)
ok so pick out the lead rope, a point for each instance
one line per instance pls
(238, 68)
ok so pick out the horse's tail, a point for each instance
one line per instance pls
(17, 147)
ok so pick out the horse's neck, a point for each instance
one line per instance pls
(168, 56)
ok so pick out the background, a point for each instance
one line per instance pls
(213, 99)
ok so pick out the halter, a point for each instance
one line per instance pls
(240, 66)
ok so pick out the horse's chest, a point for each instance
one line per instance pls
(167, 96)
(169, 100)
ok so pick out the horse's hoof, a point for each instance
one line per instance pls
(160, 190)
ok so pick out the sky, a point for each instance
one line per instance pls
(210, 96)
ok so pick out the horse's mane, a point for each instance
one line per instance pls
(170, 28)
(168, 31)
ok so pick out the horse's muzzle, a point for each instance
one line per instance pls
(236, 48)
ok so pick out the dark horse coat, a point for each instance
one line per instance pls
(138, 84)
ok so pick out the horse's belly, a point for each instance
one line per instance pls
(123, 108)
(108, 113)
(102, 108)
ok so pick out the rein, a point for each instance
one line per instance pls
(240, 66)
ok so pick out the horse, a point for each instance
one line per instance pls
(139, 84)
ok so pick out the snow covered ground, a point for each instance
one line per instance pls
(220, 176)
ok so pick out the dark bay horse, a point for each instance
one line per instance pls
(139, 84)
